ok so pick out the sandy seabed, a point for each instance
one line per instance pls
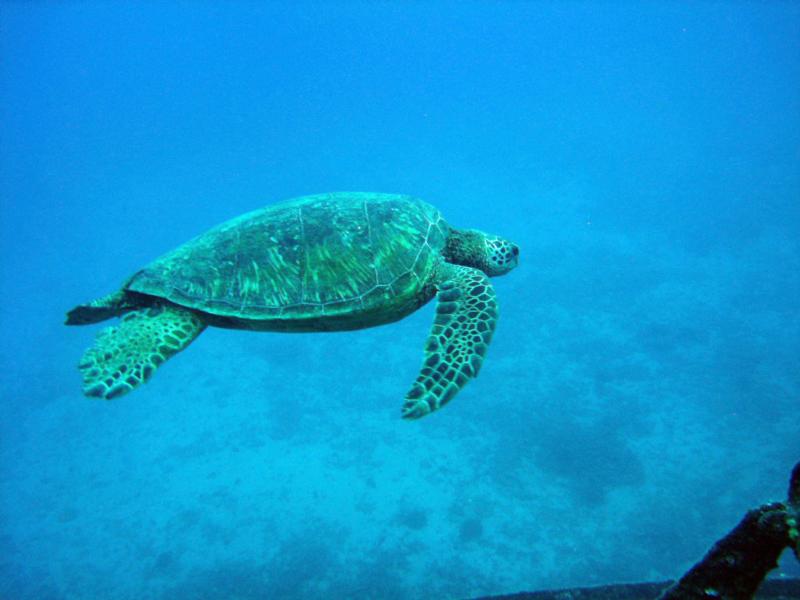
(633, 405)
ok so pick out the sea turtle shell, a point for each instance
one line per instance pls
(329, 255)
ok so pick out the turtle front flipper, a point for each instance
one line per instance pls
(126, 356)
(466, 316)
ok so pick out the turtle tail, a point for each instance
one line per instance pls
(98, 310)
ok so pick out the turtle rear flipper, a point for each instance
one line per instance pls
(98, 310)
(466, 316)
(126, 356)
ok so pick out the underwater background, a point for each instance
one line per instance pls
(643, 385)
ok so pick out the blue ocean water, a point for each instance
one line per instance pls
(642, 389)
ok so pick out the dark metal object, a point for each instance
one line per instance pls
(733, 569)
(784, 589)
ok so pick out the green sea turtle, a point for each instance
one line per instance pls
(329, 262)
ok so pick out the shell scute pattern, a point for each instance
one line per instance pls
(317, 255)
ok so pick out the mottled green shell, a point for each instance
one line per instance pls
(312, 257)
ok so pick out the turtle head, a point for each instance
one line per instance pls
(490, 253)
(500, 255)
